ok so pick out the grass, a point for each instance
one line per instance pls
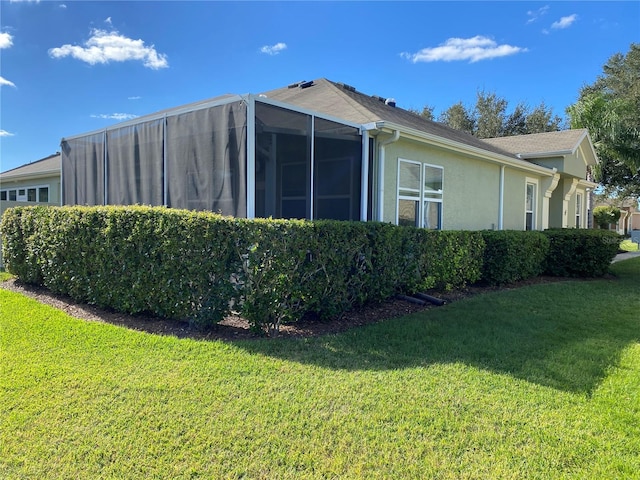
(628, 246)
(538, 382)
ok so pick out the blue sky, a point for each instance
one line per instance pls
(69, 67)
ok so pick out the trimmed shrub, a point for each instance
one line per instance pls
(512, 255)
(170, 263)
(200, 266)
(444, 259)
(581, 253)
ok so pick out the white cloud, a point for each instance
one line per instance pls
(8, 83)
(6, 40)
(472, 49)
(108, 21)
(137, 97)
(564, 22)
(115, 116)
(534, 15)
(4, 133)
(62, 5)
(273, 49)
(24, 1)
(105, 47)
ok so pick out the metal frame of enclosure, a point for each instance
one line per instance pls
(245, 156)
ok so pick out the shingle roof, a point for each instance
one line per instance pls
(44, 165)
(540, 143)
(335, 99)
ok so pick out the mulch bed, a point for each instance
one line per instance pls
(237, 328)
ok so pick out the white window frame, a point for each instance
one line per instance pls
(534, 216)
(579, 207)
(421, 198)
(24, 197)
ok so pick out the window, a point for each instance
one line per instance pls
(419, 195)
(29, 194)
(579, 210)
(530, 204)
(43, 194)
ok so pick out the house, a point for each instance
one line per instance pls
(629, 214)
(37, 182)
(319, 149)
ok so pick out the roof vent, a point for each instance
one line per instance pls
(377, 97)
(306, 84)
(346, 87)
(391, 102)
(295, 85)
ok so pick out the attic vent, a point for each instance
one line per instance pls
(391, 102)
(376, 97)
(295, 85)
(306, 84)
(346, 87)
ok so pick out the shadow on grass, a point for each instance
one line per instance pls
(564, 335)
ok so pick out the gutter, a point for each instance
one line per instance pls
(468, 149)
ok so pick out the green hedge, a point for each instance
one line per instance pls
(200, 266)
(512, 255)
(135, 259)
(581, 253)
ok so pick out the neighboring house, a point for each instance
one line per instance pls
(629, 214)
(321, 149)
(36, 183)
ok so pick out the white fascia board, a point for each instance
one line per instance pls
(468, 149)
(587, 184)
(306, 111)
(192, 107)
(557, 153)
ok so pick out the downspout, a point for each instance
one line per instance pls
(364, 181)
(381, 149)
(501, 204)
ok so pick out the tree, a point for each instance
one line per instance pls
(426, 112)
(610, 109)
(490, 115)
(458, 117)
(606, 215)
(542, 119)
(516, 122)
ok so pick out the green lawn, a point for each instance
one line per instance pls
(539, 382)
(629, 246)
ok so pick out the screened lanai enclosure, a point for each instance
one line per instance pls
(245, 156)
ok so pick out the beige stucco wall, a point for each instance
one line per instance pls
(471, 188)
(562, 206)
(572, 165)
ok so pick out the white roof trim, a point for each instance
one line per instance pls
(486, 154)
